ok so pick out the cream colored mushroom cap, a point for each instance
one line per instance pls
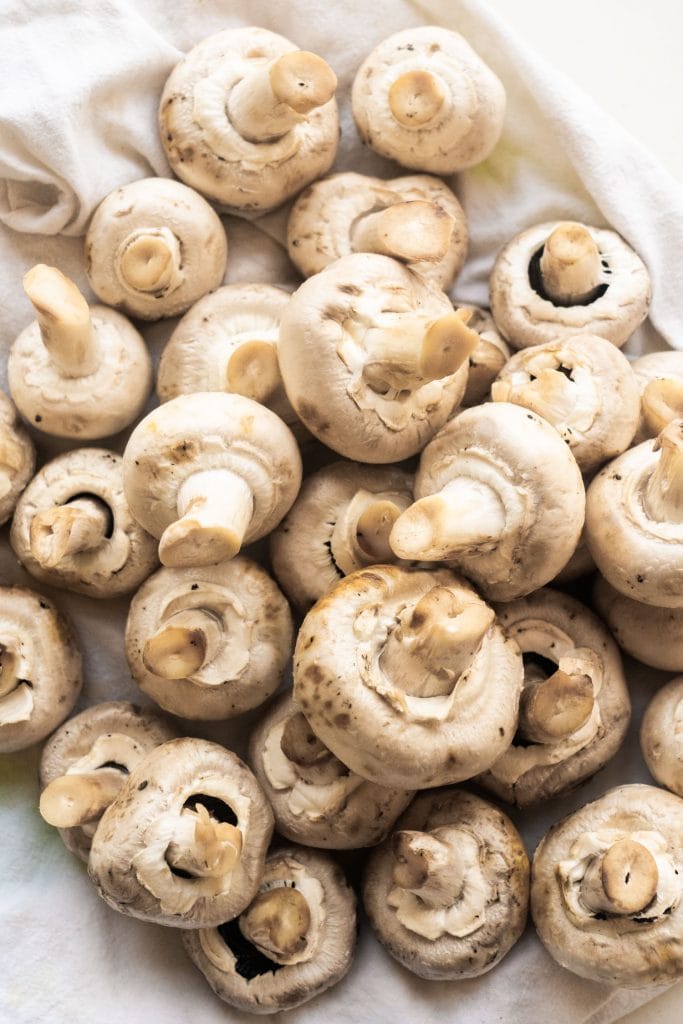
(206, 150)
(236, 621)
(630, 950)
(487, 360)
(652, 635)
(424, 98)
(40, 668)
(122, 555)
(17, 458)
(115, 731)
(153, 248)
(130, 860)
(524, 316)
(660, 403)
(661, 736)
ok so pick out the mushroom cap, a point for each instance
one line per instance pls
(158, 208)
(632, 951)
(40, 663)
(555, 626)
(657, 366)
(207, 152)
(112, 737)
(487, 360)
(227, 959)
(306, 550)
(499, 913)
(364, 714)
(83, 408)
(584, 387)
(127, 554)
(205, 431)
(17, 457)
(661, 736)
(525, 317)
(652, 635)
(322, 353)
(321, 221)
(580, 564)
(463, 129)
(338, 810)
(245, 663)
(129, 856)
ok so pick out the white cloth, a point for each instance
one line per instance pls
(80, 119)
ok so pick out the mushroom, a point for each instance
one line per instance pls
(606, 888)
(209, 643)
(486, 361)
(652, 635)
(208, 472)
(661, 736)
(296, 939)
(580, 564)
(153, 248)
(340, 522)
(634, 520)
(581, 384)
(424, 98)
(407, 678)
(659, 376)
(315, 798)
(248, 119)
(373, 357)
(86, 761)
(77, 371)
(40, 668)
(416, 220)
(72, 527)
(17, 458)
(184, 842)
(447, 894)
(500, 497)
(561, 278)
(575, 706)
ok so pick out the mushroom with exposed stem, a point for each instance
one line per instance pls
(248, 119)
(17, 458)
(659, 376)
(661, 736)
(77, 371)
(486, 361)
(424, 98)
(563, 278)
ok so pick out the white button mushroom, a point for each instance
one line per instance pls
(184, 842)
(209, 643)
(248, 119)
(40, 668)
(76, 371)
(650, 634)
(500, 497)
(607, 888)
(661, 736)
(17, 458)
(561, 278)
(660, 380)
(73, 528)
(86, 761)
(575, 706)
(407, 678)
(424, 98)
(416, 219)
(373, 357)
(486, 361)
(447, 894)
(153, 248)
(295, 940)
(208, 472)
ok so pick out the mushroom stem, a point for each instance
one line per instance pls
(410, 351)
(8, 670)
(273, 97)
(416, 98)
(253, 370)
(361, 534)
(415, 230)
(204, 847)
(58, 533)
(622, 881)
(661, 402)
(215, 507)
(550, 395)
(313, 761)
(553, 708)
(570, 265)
(277, 923)
(149, 260)
(64, 320)
(71, 800)
(465, 514)
(185, 643)
(428, 864)
(664, 489)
